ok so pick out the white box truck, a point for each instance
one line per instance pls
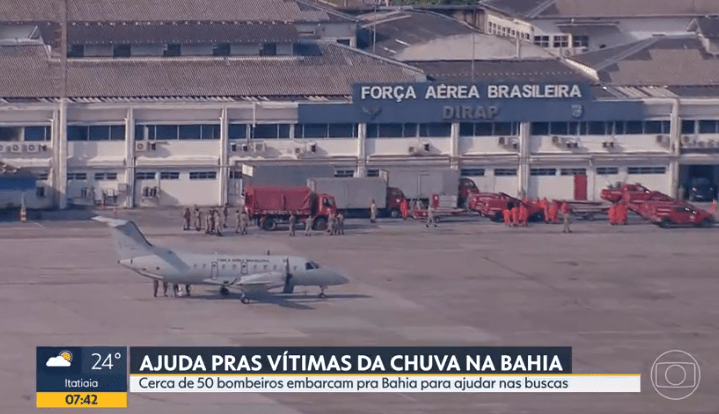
(354, 195)
(424, 183)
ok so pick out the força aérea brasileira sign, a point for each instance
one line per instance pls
(446, 91)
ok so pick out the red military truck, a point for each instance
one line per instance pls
(491, 205)
(668, 214)
(640, 203)
(270, 206)
(616, 193)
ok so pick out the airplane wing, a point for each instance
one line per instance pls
(260, 282)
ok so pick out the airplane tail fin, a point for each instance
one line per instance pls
(129, 241)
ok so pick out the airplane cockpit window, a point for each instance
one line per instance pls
(311, 265)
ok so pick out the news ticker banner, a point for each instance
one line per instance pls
(366, 369)
(98, 377)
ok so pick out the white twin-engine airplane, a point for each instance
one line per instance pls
(251, 275)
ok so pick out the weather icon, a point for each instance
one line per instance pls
(64, 359)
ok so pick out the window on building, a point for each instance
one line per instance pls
(372, 173)
(10, 134)
(597, 128)
(99, 133)
(121, 51)
(76, 176)
(311, 130)
(76, 133)
(198, 131)
(561, 41)
(573, 171)
(540, 128)
(37, 133)
(656, 127)
(646, 170)
(144, 175)
(688, 126)
(607, 170)
(472, 172)
(484, 129)
(391, 130)
(203, 175)
(102, 176)
(268, 49)
(221, 49)
(345, 42)
(542, 171)
(577, 128)
(237, 131)
(169, 175)
(559, 128)
(271, 131)
(505, 172)
(76, 51)
(580, 41)
(708, 127)
(435, 130)
(43, 176)
(343, 131)
(634, 127)
(235, 175)
(344, 173)
(506, 128)
(541, 41)
(172, 50)
(163, 132)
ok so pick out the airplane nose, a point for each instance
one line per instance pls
(125, 262)
(342, 279)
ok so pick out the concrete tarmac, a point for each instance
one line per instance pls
(620, 296)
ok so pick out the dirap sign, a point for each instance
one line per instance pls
(442, 91)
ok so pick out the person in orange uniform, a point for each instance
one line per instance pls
(404, 208)
(613, 214)
(622, 217)
(523, 214)
(507, 214)
(515, 215)
(545, 208)
(554, 212)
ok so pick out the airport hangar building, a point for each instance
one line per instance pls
(147, 129)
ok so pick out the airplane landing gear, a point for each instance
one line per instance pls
(244, 299)
(322, 294)
(224, 291)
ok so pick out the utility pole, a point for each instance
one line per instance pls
(61, 151)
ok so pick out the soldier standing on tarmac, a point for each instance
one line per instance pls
(239, 220)
(188, 218)
(567, 219)
(164, 288)
(225, 213)
(430, 216)
(308, 226)
(155, 286)
(373, 212)
(245, 220)
(198, 219)
(292, 221)
(187, 290)
(332, 224)
(208, 222)
(218, 225)
(340, 224)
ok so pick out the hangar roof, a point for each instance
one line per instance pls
(410, 35)
(319, 69)
(165, 10)
(660, 61)
(538, 9)
(501, 71)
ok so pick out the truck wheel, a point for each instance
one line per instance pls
(706, 223)
(320, 224)
(498, 217)
(394, 214)
(270, 224)
(665, 223)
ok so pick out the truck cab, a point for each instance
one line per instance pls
(395, 197)
(666, 215)
(466, 188)
(326, 206)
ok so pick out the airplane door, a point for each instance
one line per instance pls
(243, 268)
(213, 270)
